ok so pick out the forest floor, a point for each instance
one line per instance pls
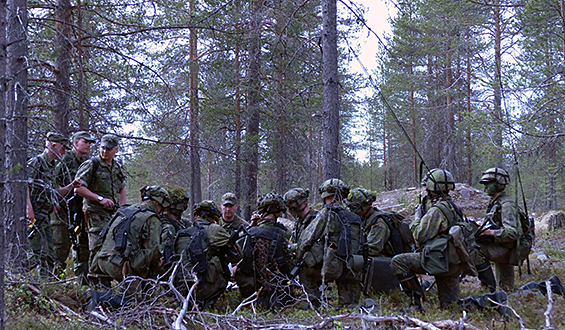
(60, 305)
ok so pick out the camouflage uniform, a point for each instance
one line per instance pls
(257, 271)
(43, 197)
(144, 258)
(377, 235)
(501, 247)
(234, 225)
(69, 217)
(107, 182)
(317, 247)
(213, 281)
(433, 224)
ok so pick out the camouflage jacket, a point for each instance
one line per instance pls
(218, 238)
(377, 235)
(169, 229)
(106, 182)
(504, 213)
(233, 225)
(262, 250)
(42, 188)
(433, 223)
(302, 223)
(66, 171)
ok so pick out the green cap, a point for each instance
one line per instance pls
(82, 135)
(109, 141)
(56, 137)
(229, 198)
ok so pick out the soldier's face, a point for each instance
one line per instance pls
(82, 146)
(108, 154)
(490, 188)
(58, 149)
(228, 211)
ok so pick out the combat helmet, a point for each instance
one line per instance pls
(332, 187)
(296, 197)
(207, 208)
(156, 193)
(439, 180)
(495, 174)
(270, 203)
(179, 198)
(360, 199)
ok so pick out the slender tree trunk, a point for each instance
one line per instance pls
(81, 87)
(2, 155)
(237, 125)
(469, 144)
(497, 82)
(16, 132)
(62, 65)
(195, 174)
(330, 107)
(254, 104)
(563, 29)
(413, 127)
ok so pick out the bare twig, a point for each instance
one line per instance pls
(547, 313)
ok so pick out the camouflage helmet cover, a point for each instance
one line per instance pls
(270, 203)
(179, 198)
(360, 199)
(296, 197)
(156, 193)
(207, 207)
(495, 174)
(332, 187)
(439, 180)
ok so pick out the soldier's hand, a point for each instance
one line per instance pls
(77, 183)
(30, 215)
(107, 203)
(488, 232)
(418, 212)
(255, 217)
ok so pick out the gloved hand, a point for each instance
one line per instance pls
(418, 212)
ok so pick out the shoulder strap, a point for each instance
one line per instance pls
(95, 166)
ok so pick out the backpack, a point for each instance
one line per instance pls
(526, 240)
(194, 242)
(275, 253)
(351, 239)
(400, 235)
(169, 248)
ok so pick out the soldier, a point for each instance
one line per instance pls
(266, 261)
(499, 242)
(205, 249)
(229, 220)
(71, 217)
(332, 242)
(42, 202)
(431, 232)
(171, 220)
(130, 246)
(103, 188)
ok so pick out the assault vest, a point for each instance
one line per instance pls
(275, 250)
(401, 237)
(168, 245)
(125, 227)
(193, 242)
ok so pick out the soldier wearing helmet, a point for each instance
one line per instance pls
(296, 199)
(428, 228)
(229, 219)
(171, 221)
(498, 241)
(266, 261)
(216, 250)
(130, 244)
(332, 238)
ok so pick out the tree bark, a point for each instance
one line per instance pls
(2, 155)
(330, 106)
(62, 65)
(16, 132)
(497, 82)
(195, 174)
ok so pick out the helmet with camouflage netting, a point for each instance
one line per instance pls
(179, 198)
(270, 203)
(296, 197)
(360, 199)
(495, 174)
(156, 193)
(439, 180)
(333, 187)
(207, 208)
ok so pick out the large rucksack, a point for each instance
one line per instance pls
(401, 238)
(125, 237)
(526, 240)
(193, 242)
(275, 253)
(351, 239)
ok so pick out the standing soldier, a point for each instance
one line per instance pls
(334, 240)
(103, 188)
(499, 242)
(431, 232)
(42, 194)
(266, 261)
(229, 220)
(171, 221)
(205, 249)
(69, 221)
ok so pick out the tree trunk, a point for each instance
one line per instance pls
(62, 65)
(16, 132)
(330, 106)
(81, 87)
(254, 104)
(237, 126)
(195, 177)
(3, 205)
(497, 88)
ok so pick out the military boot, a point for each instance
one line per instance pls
(486, 276)
(411, 286)
(107, 298)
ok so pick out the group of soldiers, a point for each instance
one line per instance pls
(79, 202)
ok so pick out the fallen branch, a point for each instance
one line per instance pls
(547, 313)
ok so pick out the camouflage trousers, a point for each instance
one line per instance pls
(311, 281)
(348, 289)
(95, 223)
(447, 285)
(40, 239)
(500, 255)
(61, 240)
